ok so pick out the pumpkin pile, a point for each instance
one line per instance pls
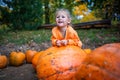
(17, 58)
(102, 64)
(70, 62)
(59, 63)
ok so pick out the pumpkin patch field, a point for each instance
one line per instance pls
(99, 59)
(63, 63)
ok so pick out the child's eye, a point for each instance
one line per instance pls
(63, 16)
(58, 17)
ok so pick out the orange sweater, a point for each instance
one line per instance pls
(71, 36)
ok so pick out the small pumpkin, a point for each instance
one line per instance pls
(88, 50)
(102, 64)
(3, 61)
(16, 58)
(29, 55)
(60, 63)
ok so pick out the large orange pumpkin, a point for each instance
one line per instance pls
(3, 61)
(60, 63)
(16, 58)
(102, 64)
(36, 58)
(39, 54)
(29, 55)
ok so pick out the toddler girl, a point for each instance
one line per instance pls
(63, 34)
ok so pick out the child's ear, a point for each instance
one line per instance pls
(69, 21)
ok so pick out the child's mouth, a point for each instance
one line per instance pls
(60, 22)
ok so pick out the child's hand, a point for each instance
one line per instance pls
(58, 43)
(64, 42)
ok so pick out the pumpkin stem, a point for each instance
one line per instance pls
(18, 50)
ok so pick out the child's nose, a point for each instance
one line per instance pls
(60, 17)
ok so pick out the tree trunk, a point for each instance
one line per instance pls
(47, 15)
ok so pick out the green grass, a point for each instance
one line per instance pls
(23, 37)
(87, 36)
(99, 36)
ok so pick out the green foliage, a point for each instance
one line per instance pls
(29, 14)
(106, 8)
(4, 15)
(115, 23)
(25, 14)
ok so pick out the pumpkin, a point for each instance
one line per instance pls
(29, 55)
(36, 58)
(87, 50)
(60, 63)
(103, 63)
(16, 58)
(39, 54)
(3, 61)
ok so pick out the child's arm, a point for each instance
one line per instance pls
(56, 41)
(75, 40)
(53, 39)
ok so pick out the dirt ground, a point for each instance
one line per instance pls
(25, 71)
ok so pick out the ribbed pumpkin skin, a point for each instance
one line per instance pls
(16, 58)
(103, 63)
(29, 55)
(3, 61)
(36, 58)
(39, 55)
(60, 63)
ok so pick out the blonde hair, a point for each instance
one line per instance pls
(65, 10)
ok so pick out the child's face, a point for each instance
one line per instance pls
(62, 19)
